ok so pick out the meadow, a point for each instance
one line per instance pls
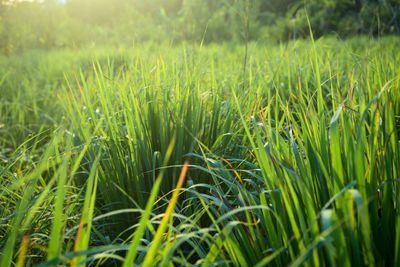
(185, 155)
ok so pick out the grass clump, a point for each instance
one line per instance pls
(160, 156)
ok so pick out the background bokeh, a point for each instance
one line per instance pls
(73, 23)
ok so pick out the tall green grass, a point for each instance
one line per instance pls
(162, 155)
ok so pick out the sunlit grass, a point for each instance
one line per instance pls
(158, 155)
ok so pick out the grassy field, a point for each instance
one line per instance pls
(184, 155)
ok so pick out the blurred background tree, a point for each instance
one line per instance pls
(48, 24)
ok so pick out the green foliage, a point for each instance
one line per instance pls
(295, 163)
(343, 17)
(54, 24)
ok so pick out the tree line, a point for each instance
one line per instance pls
(49, 24)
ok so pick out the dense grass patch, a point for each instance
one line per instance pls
(162, 155)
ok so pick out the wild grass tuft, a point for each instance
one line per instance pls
(167, 156)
